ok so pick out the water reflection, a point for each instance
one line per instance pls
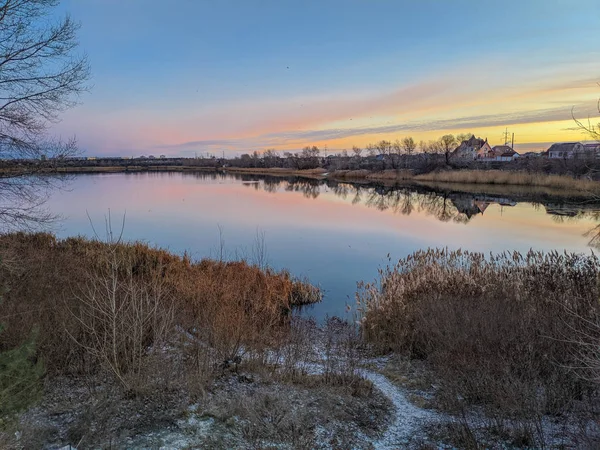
(335, 233)
(444, 205)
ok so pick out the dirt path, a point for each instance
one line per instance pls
(408, 418)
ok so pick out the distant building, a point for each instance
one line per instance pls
(497, 153)
(468, 149)
(566, 150)
(592, 150)
(504, 153)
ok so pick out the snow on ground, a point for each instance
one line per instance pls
(408, 418)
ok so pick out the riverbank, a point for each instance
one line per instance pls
(120, 344)
(509, 340)
(275, 171)
(582, 186)
(278, 171)
(477, 177)
(131, 346)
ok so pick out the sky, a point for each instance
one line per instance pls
(191, 77)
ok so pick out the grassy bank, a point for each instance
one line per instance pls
(464, 177)
(484, 177)
(501, 177)
(513, 335)
(81, 295)
(385, 175)
(278, 171)
(143, 348)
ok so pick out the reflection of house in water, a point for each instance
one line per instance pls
(481, 205)
(563, 209)
(472, 205)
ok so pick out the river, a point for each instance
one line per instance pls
(333, 233)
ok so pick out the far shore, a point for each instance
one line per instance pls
(559, 185)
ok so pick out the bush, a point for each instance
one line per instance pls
(498, 331)
(108, 304)
(20, 378)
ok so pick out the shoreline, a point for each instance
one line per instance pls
(461, 180)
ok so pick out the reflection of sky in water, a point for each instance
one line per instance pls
(328, 239)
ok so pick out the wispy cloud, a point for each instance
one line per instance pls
(298, 138)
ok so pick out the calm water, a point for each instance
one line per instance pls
(335, 234)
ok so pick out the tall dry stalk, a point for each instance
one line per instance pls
(494, 327)
(121, 315)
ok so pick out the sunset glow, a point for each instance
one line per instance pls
(284, 75)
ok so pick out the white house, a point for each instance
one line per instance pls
(566, 150)
(497, 153)
(592, 150)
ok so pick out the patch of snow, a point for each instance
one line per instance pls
(408, 418)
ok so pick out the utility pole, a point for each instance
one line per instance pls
(512, 145)
(505, 134)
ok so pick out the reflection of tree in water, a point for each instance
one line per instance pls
(270, 186)
(404, 201)
(22, 201)
(341, 190)
(308, 188)
(445, 206)
(357, 197)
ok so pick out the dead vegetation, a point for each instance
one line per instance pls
(515, 178)
(142, 347)
(364, 174)
(94, 303)
(466, 176)
(504, 336)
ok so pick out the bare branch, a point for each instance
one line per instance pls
(40, 77)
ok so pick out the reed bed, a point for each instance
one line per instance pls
(515, 334)
(505, 177)
(279, 171)
(365, 174)
(104, 304)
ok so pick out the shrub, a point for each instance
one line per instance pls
(108, 304)
(497, 330)
(20, 378)
(515, 177)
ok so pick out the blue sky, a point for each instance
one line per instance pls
(185, 76)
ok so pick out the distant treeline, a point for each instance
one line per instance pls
(405, 154)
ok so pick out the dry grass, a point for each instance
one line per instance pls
(501, 332)
(279, 171)
(81, 291)
(505, 177)
(384, 175)
(490, 177)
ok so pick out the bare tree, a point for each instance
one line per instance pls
(447, 144)
(40, 77)
(592, 130)
(371, 150)
(387, 149)
(357, 151)
(271, 158)
(463, 137)
(310, 157)
(409, 145)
